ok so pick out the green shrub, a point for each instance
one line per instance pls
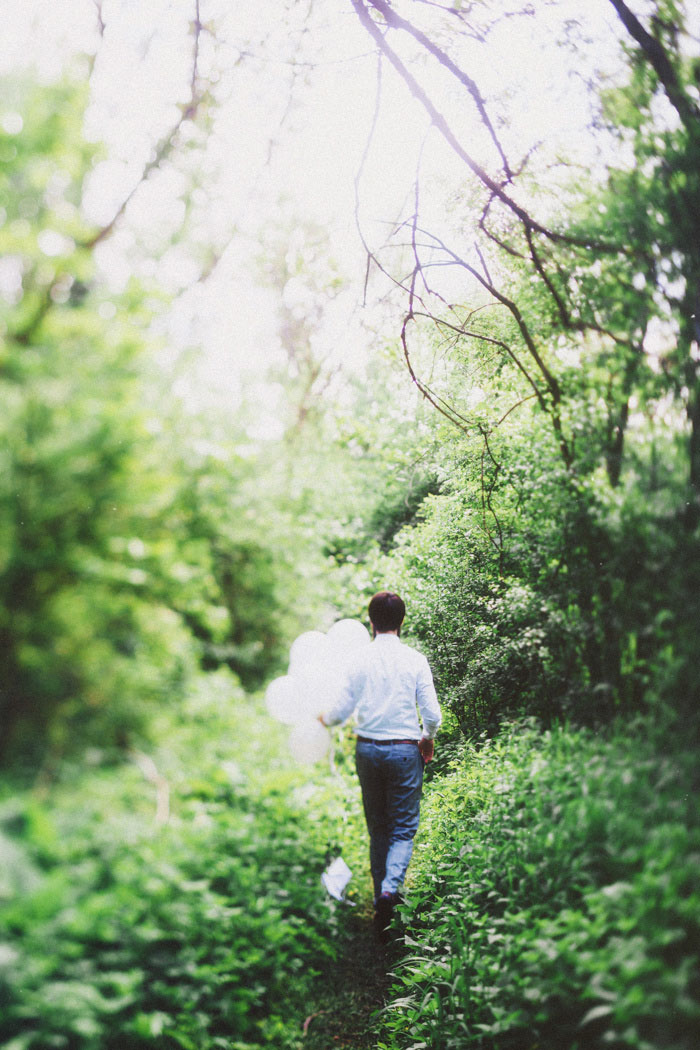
(203, 932)
(556, 901)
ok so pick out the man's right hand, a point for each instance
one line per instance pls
(427, 749)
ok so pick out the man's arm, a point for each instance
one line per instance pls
(342, 709)
(429, 710)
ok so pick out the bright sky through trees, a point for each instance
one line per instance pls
(292, 90)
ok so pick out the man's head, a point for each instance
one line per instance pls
(386, 612)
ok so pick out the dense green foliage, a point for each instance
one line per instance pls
(205, 931)
(77, 481)
(130, 545)
(580, 609)
(555, 899)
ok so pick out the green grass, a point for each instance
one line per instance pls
(555, 898)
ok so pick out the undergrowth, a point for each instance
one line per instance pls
(553, 902)
(555, 898)
(208, 930)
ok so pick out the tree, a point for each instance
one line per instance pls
(578, 309)
(591, 280)
(78, 644)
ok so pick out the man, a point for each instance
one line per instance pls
(387, 684)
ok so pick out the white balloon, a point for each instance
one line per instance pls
(309, 741)
(319, 684)
(308, 647)
(284, 700)
(347, 635)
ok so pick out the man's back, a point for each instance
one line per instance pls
(384, 683)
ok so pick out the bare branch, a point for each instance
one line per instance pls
(503, 245)
(497, 240)
(167, 143)
(468, 334)
(562, 309)
(443, 127)
(482, 260)
(299, 69)
(396, 22)
(435, 400)
(514, 310)
(565, 318)
(513, 408)
(657, 56)
(421, 268)
(371, 256)
(486, 501)
(197, 30)
(100, 19)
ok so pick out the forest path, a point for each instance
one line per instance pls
(356, 984)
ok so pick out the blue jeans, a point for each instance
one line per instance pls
(391, 778)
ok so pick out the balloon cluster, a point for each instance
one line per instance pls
(313, 684)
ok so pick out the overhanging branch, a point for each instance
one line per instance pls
(396, 22)
(445, 130)
(660, 62)
(167, 143)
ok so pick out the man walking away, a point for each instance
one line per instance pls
(388, 684)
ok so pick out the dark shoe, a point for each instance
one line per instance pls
(384, 913)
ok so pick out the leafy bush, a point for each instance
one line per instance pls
(203, 932)
(556, 901)
(500, 644)
(580, 605)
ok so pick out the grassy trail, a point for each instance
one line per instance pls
(354, 988)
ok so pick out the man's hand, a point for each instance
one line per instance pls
(427, 749)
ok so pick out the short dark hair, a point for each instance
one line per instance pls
(386, 611)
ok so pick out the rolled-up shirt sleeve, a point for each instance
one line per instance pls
(427, 701)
